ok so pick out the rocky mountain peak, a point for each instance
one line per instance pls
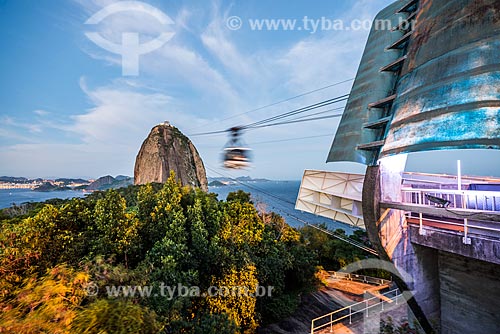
(167, 149)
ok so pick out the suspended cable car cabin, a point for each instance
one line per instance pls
(235, 154)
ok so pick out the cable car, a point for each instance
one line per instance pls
(235, 154)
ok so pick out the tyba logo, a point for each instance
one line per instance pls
(130, 48)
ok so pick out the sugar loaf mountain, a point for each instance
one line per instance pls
(167, 149)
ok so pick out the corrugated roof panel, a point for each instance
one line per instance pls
(449, 91)
(370, 86)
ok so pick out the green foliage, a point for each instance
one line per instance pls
(168, 216)
(45, 305)
(241, 224)
(153, 235)
(333, 253)
(239, 196)
(115, 317)
(213, 324)
(280, 307)
(117, 229)
(240, 309)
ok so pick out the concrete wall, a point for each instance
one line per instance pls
(458, 294)
(481, 247)
(418, 262)
(386, 231)
(421, 263)
(470, 295)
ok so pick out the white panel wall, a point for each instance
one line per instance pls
(333, 195)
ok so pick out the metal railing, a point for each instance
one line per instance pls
(459, 199)
(466, 227)
(358, 308)
(359, 278)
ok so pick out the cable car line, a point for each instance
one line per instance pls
(277, 117)
(352, 242)
(280, 140)
(296, 121)
(300, 110)
(279, 102)
(321, 112)
(236, 155)
(291, 139)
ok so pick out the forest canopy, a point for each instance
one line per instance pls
(109, 262)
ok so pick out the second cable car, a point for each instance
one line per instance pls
(236, 155)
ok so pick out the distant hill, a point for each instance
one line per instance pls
(69, 181)
(122, 182)
(101, 182)
(109, 182)
(249, 179)
(216, 183)
(47, 186)
(13, 179)
(228, 180)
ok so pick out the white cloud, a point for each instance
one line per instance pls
(41, 112)
(196, 79)
(14, 123)
(111, 133)
(215, 39)
(119, 115)
(64, 160)
(230, 82)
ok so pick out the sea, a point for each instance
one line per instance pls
(280, 197)
(9, 197)
(276, 196)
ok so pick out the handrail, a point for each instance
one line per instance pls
(359, 278)
(359, 307)
(446, 222)
(472, 200)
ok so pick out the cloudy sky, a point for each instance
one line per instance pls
(67, 110)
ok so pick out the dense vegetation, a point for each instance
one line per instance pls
(59, 263)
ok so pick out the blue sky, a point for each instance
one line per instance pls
(67, 110)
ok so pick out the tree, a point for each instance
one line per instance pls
(115, 316)
(168, 235)
(241, 224)
(116, 230)
(198, 235)
(45, 305)
(236, 297)
(49, 237)
(168, 216)
(213, 324)
(146, 203)
(239, 196)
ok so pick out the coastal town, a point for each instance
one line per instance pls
(7, 182)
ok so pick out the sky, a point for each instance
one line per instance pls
(68, 110)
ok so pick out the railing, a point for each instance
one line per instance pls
(459, 199)
(359, 278)
(466, 227)
(358, 308)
